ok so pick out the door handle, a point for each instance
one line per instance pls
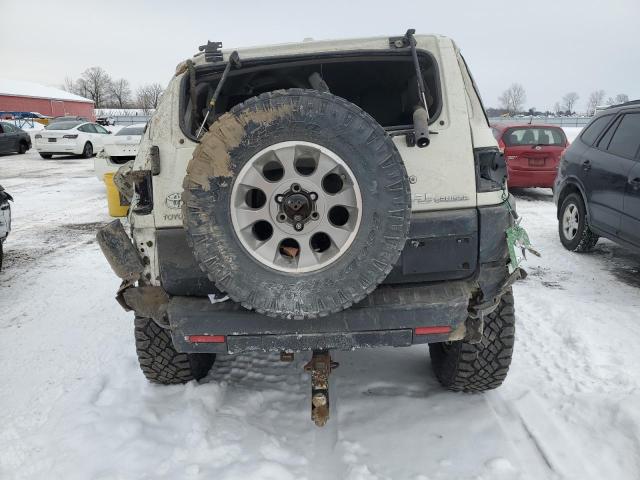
(635, 183)
(586, 165)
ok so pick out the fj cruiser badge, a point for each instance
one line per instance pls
(174, 200)
(430, 198)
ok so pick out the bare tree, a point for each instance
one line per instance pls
(622, 98)
(148, 96)
(557, 108)
(69, 85)
(120, 92)
(513, 98)
(569, 101)
(95, 84)
(595, 98)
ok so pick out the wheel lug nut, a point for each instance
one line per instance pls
(315, 215)
(298, 226)
(313, 196)
(295, 187)
(279, 198)
(281, 217)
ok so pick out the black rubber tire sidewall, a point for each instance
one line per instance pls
(574, 243)
(87, 151)
(376, 164)
(465, 367)
(46, 156)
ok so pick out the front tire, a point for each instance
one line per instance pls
(87, 151)
(159, 360)
(575, 234)
(22, 148)
(465, 367)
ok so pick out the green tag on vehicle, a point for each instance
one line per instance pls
(518, 241)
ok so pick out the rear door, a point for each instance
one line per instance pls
(606, 166)
(630, 225)
(101, 135)
(534, 148)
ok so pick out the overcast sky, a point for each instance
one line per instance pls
(549, 46)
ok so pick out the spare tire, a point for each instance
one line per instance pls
(296, 203)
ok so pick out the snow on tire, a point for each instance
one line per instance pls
(464, 367)
(159, 360)
(296, 203)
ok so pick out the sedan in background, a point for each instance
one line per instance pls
(13, 139)
(532, 153)
(118, 150)
(71, 138)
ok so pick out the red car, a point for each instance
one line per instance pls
(532, 153)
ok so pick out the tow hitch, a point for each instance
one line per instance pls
(320, 366)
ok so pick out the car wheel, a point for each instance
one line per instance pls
(476, 367)
(22, 148)
(159, 360)
(46, 156)
(573, 229)
(296, 204)
(87, 152)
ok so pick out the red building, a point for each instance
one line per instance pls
(19, 96)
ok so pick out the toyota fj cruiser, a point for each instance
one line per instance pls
(337, 195)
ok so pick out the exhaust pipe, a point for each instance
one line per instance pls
(421, 127)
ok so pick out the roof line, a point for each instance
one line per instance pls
(86, 100)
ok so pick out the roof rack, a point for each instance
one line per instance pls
(625, 104)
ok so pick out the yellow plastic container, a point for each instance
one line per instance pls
(118, 205)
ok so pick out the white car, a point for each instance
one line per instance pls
(118, 149)
(71, 138)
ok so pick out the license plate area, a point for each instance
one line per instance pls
(52, 140)
(537, 162)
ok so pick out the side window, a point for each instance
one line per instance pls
(1, 129)
(603, 144)
(626, 139)
(83, 128)
(88, 128)
(8, 128)
(100, 129)
(593, 130)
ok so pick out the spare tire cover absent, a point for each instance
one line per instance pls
(296, 203)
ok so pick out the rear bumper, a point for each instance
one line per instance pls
(531, 178)
(388, 317)
(59, 148)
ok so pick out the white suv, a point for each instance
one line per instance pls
(341, 194)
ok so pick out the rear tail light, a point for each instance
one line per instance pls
(70, 136)
(435, 330)
(501, 145)
(37, 136)
(205, 338)
(491, 169)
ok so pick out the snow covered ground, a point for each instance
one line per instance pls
(74, 405)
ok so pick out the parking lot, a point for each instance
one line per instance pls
(75, 405)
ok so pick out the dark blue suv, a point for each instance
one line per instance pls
(597, 189)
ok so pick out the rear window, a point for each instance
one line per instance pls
(62, 126)
(534, 136)
(594, 129)
(383, 84)
(131, 131)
